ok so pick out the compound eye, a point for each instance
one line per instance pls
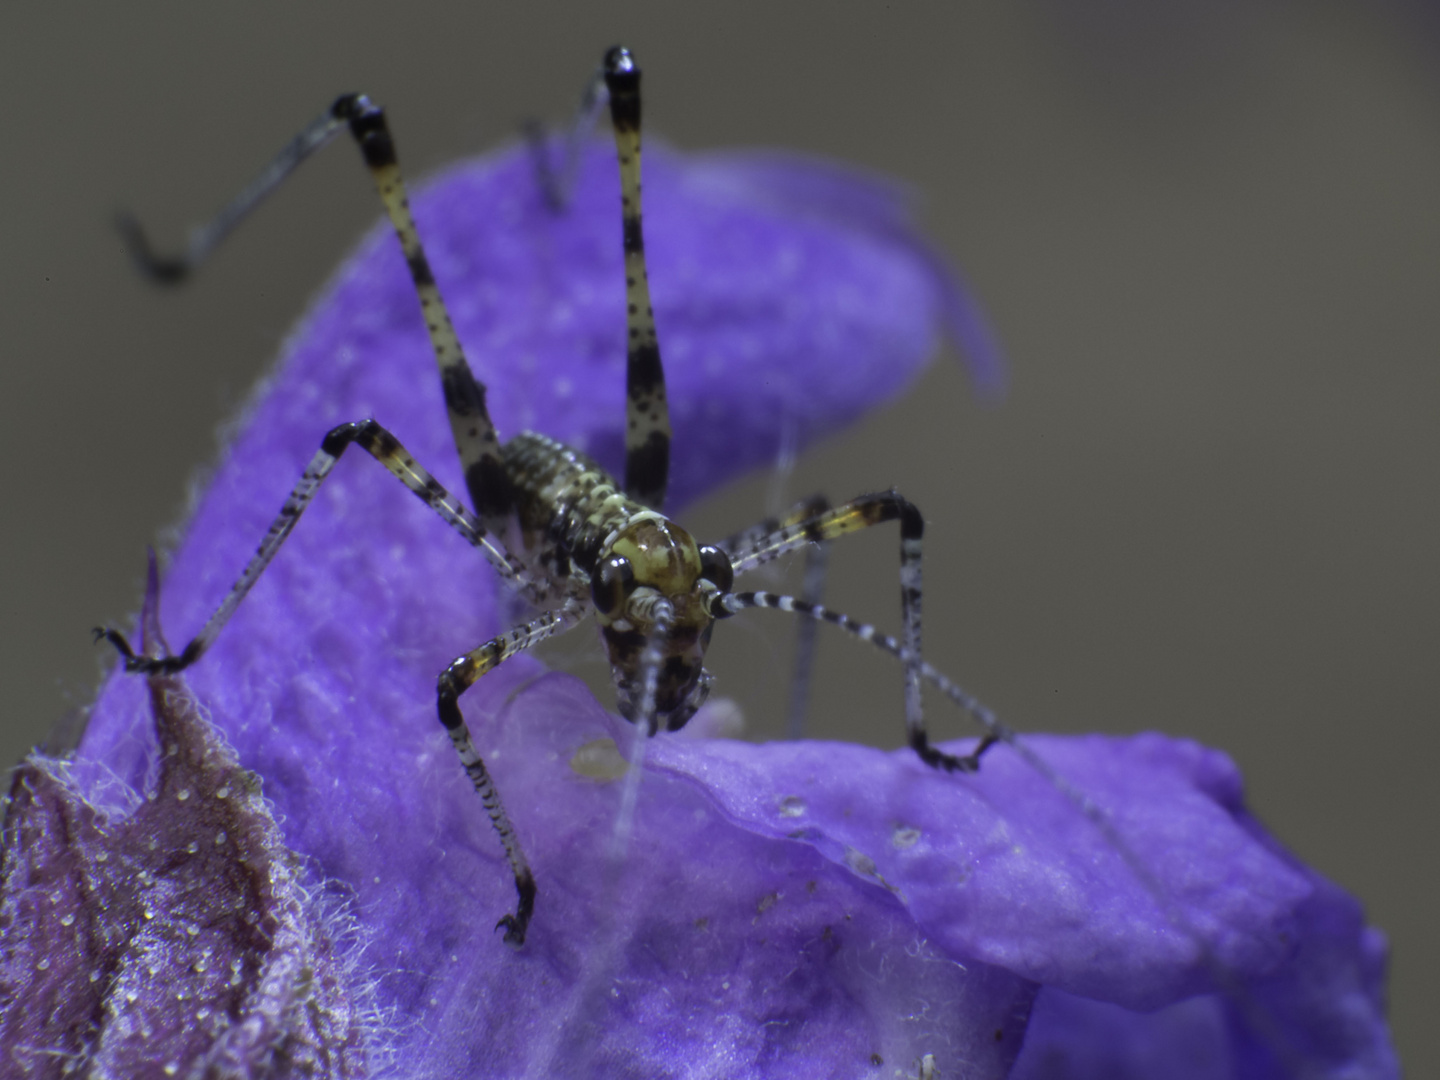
(614, 582)
(715, 567)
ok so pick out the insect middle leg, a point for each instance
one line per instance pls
(752, 550)
(488, 479)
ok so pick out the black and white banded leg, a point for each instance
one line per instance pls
(647, 410)
(462, 674)
(387, 450)
(752, 550)
(919, 741)
(486, 477)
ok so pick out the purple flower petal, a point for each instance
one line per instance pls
(790, 910)
(1000, 867)
(826, 192)
(707, 949)
(1322, 1010)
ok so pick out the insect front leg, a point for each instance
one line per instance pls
(386, 449)
(454, 681)
(853, 516)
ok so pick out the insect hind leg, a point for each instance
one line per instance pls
(647, 411)
(205, 238)
(486, 478)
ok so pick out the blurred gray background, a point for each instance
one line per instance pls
(1208, 236)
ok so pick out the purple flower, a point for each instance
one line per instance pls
(800, 909)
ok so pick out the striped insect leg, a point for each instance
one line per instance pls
(386, 449)
(853, 516)
(994, 731)
(647, 412)
(454, 681)
(486, 477)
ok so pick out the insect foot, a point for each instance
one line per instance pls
(145, 665)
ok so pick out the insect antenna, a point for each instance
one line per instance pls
(568, 1044)
(812, 588)
(663, 615)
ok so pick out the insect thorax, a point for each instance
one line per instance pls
(566, 509)
(584, 540)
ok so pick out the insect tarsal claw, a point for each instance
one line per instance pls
(514, 931)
